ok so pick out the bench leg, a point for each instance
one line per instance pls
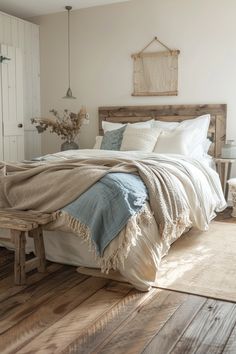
(18, 238)
(37, 235)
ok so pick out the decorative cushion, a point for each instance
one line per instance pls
(139, 139)
(112, 139)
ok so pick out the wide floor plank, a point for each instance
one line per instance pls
(57, 338)
(18, 307)
(171, 332)
(143, 325)
(8, 288)
(61, 304)
(230, 347)
(104, 327)
(210, 330)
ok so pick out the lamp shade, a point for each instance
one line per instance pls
(69, 94)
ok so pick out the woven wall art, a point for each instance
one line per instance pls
(155, 73)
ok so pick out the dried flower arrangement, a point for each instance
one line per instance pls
(66, 126)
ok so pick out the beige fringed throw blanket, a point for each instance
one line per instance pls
(48, 187)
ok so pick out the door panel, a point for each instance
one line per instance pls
(12, 103)
(13, 129)
(13, 147)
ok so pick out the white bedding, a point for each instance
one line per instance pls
(141, 265)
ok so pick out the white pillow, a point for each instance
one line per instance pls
(98, 142)
(200, 126)
(207, 145)
(135, 139)
(203, 121)
(176, 142)
(194, 142)
(108, 126)
(200, 123)
(165, 125)
(199, 150)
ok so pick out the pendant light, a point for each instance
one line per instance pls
(69, 92)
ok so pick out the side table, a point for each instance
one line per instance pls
(223, 167)
(232, 188)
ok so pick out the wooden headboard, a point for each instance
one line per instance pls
(175, 113)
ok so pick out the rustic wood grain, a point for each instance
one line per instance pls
(20, 222)
(19, 266)
(8, 288)
(17, 224)
(65, 299)
(62, 311)
(210, 330)
(66, 330)
(164, 93)
(230, 347)
(18, 306)
(171, 332)
(4, 239)
(143, 325)
(37, 236)
(103, 329)
(171, 113)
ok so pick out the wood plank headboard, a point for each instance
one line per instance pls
(175, 113)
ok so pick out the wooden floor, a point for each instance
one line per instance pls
(66, 312)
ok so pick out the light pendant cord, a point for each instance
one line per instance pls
(68, 92)
(68, 9)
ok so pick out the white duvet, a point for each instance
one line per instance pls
(141, 266)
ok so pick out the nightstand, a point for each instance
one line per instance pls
(223, 167)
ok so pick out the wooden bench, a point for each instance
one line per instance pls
(21, 223)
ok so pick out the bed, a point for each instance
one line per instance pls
(142, 253)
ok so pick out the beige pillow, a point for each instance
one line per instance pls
(98, 142)
(136, 139)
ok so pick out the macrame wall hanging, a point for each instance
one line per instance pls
(156, 73)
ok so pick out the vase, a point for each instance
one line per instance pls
(69, 145)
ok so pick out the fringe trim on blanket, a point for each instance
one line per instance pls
(173, 230)
(126, 238)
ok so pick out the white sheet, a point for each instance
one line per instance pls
(96, 153)
(141, 265)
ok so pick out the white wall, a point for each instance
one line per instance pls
(25, 35)
(103, 38)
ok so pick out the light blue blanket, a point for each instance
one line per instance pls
(106, 207)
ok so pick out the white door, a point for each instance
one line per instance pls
(12, 103)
